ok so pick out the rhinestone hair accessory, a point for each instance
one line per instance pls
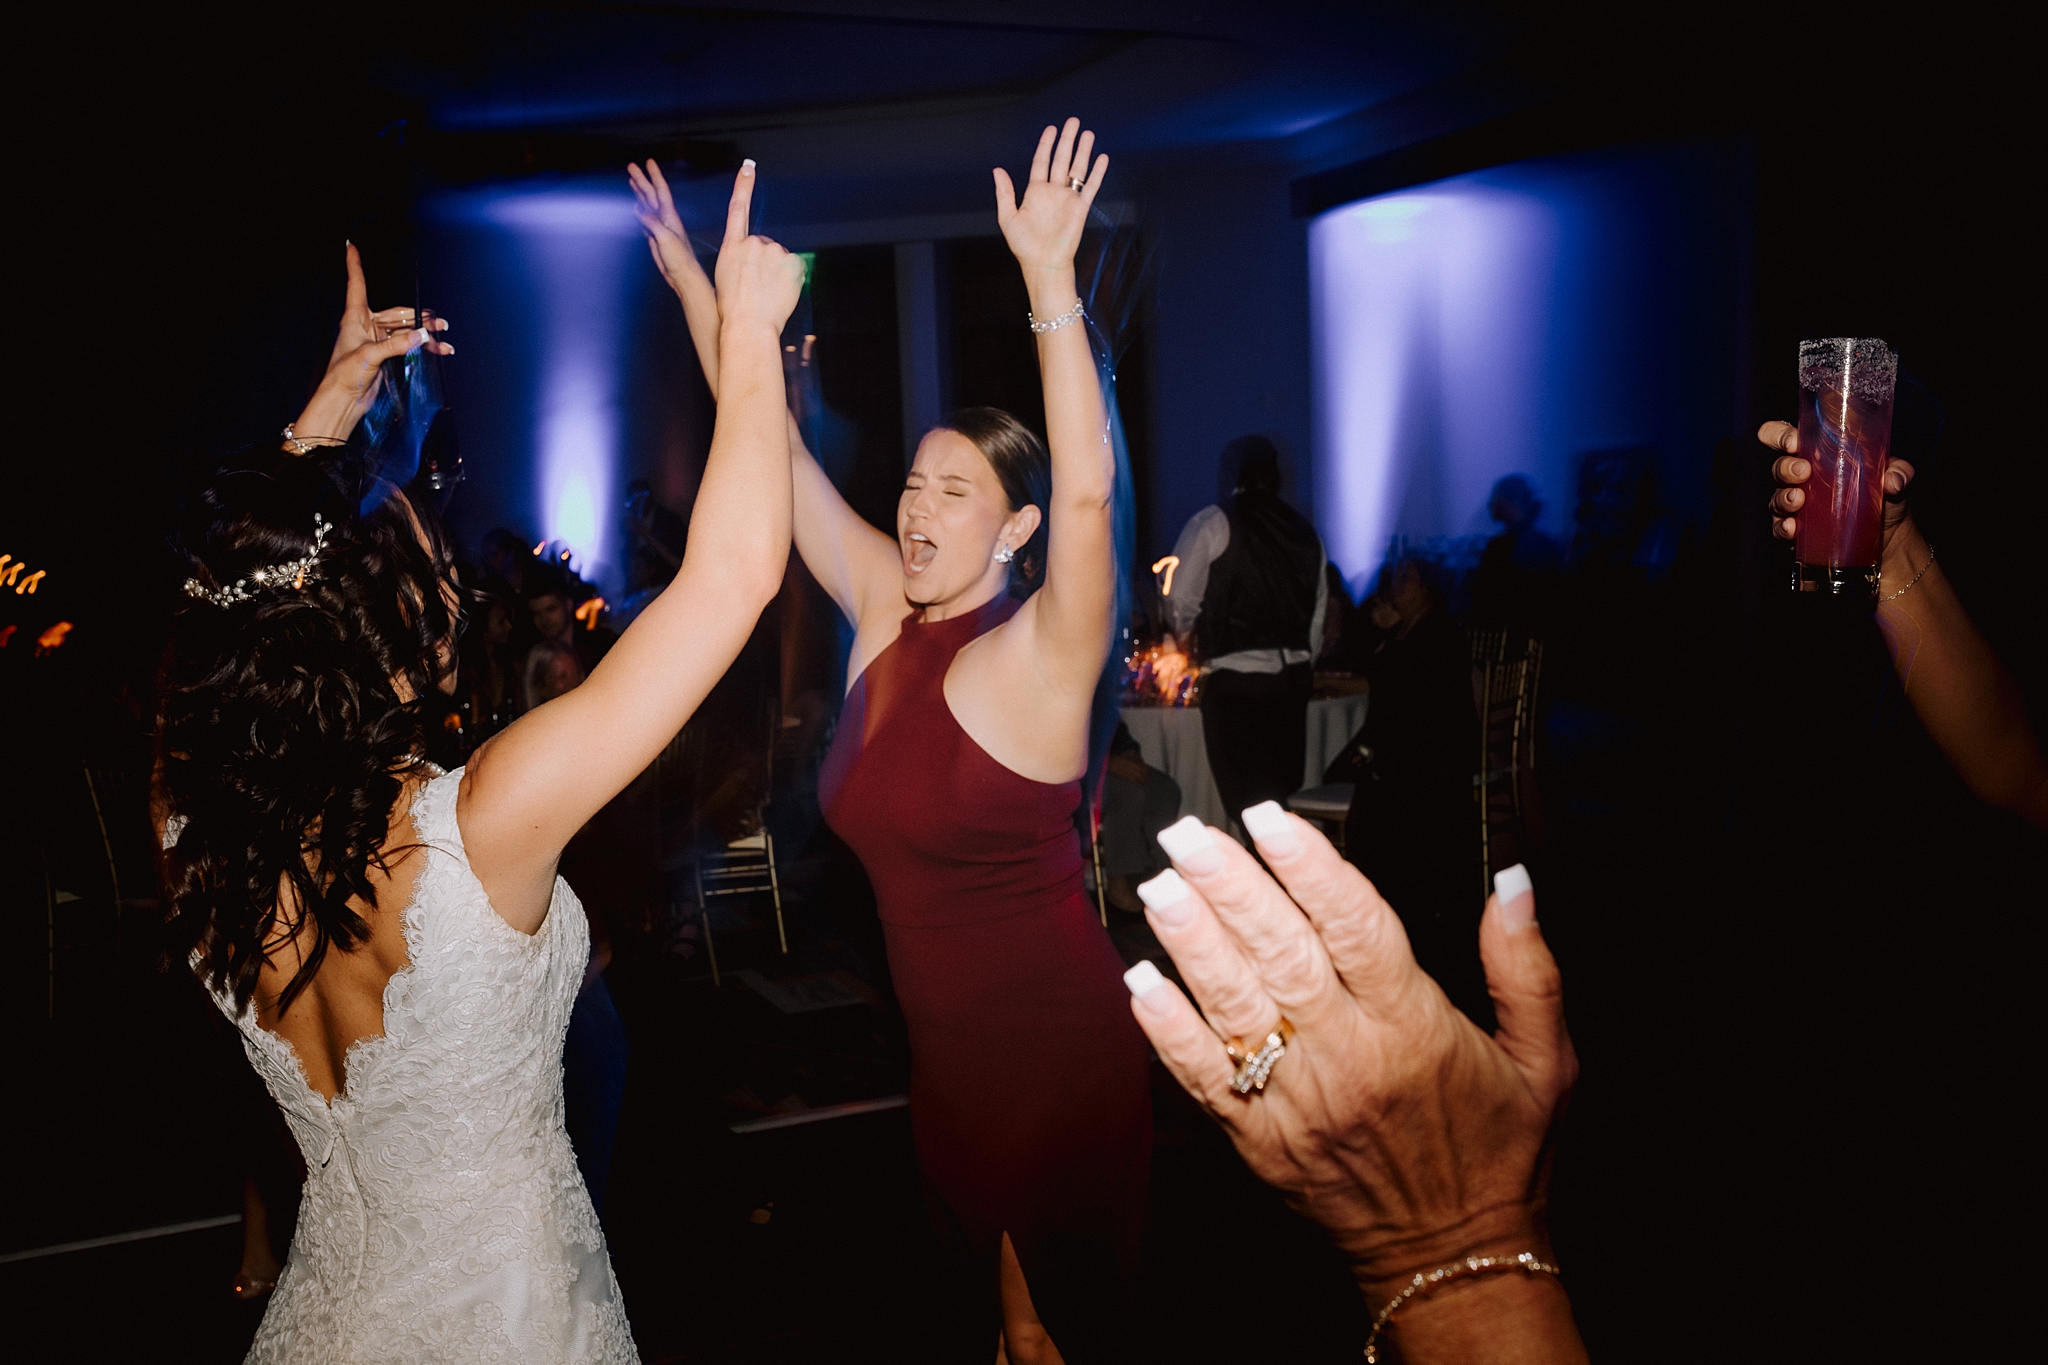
(293, 573)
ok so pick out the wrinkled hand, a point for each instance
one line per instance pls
(1045, 230)
(758, 281)
(1791, 473)
(1409, 1135)
(667, 241)
(363, 342)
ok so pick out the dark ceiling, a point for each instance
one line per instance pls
(912, 98)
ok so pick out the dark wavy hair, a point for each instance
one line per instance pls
(1024, 469)
(284, 738)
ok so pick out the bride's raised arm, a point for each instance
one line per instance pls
(1069, 617)
(528, 790)
(857, 565)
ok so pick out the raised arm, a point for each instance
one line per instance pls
(1070, 615)
(856, 564)
(1970, 705)
(364, 341)
(532, 787)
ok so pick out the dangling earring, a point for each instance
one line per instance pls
(1004, 554)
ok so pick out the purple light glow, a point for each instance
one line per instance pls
(1429, 313)
(572, 250)
(1508, 321)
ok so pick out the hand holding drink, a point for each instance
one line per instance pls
(1845, 431)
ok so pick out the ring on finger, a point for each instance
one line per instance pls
(1076, 184)
(1256, 1065)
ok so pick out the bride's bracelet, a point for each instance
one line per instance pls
(302, 445)
(1074, 314)
(1426, 1282)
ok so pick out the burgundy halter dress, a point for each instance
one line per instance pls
(1029, 1096)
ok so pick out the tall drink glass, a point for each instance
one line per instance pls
(1845, 433)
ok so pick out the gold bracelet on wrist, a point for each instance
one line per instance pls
(1426, 1282)
(1916, 578)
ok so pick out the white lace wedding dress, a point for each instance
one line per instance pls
(444, 1219)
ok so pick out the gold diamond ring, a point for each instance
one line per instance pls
(1254, 1067)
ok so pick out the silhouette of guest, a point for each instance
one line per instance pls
(1517, 571)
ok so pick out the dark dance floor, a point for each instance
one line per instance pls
(794, 1243)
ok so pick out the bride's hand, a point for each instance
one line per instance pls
(759, 281)
(363, 342)
(1045, 230)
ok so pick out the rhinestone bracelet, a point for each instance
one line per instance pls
(302, 445)
(1074, 314)
(1427, 1281)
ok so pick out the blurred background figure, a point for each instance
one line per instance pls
(657, 537)
(551, 600)
(1137, 802)
(1413, 827)
(1250, 588)
(491, 670)
(503, 559)
(1518, 568)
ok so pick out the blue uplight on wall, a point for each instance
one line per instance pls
(556, 286)
(1506, 322)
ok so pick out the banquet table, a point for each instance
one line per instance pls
(1171, 738)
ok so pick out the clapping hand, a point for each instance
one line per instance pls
(1045, 230)
(1414, 1139)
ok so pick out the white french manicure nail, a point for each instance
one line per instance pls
(1166, 896)
(1143, 980)
(1511, 885)
(1269, 825)
(747, 165)
(1190, 843)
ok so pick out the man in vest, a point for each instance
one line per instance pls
(1250, 587)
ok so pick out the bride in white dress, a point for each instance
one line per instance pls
(392, 941)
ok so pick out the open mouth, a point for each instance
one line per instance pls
(918, 553)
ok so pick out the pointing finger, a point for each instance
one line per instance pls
(742, 204)
(358, 297)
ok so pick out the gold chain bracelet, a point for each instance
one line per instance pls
(1426, 1282)
(1916, 578)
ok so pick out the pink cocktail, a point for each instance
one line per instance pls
(1845, 432)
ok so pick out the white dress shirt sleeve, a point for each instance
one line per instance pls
(1202, 541)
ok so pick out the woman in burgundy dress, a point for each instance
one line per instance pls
(955, 776)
